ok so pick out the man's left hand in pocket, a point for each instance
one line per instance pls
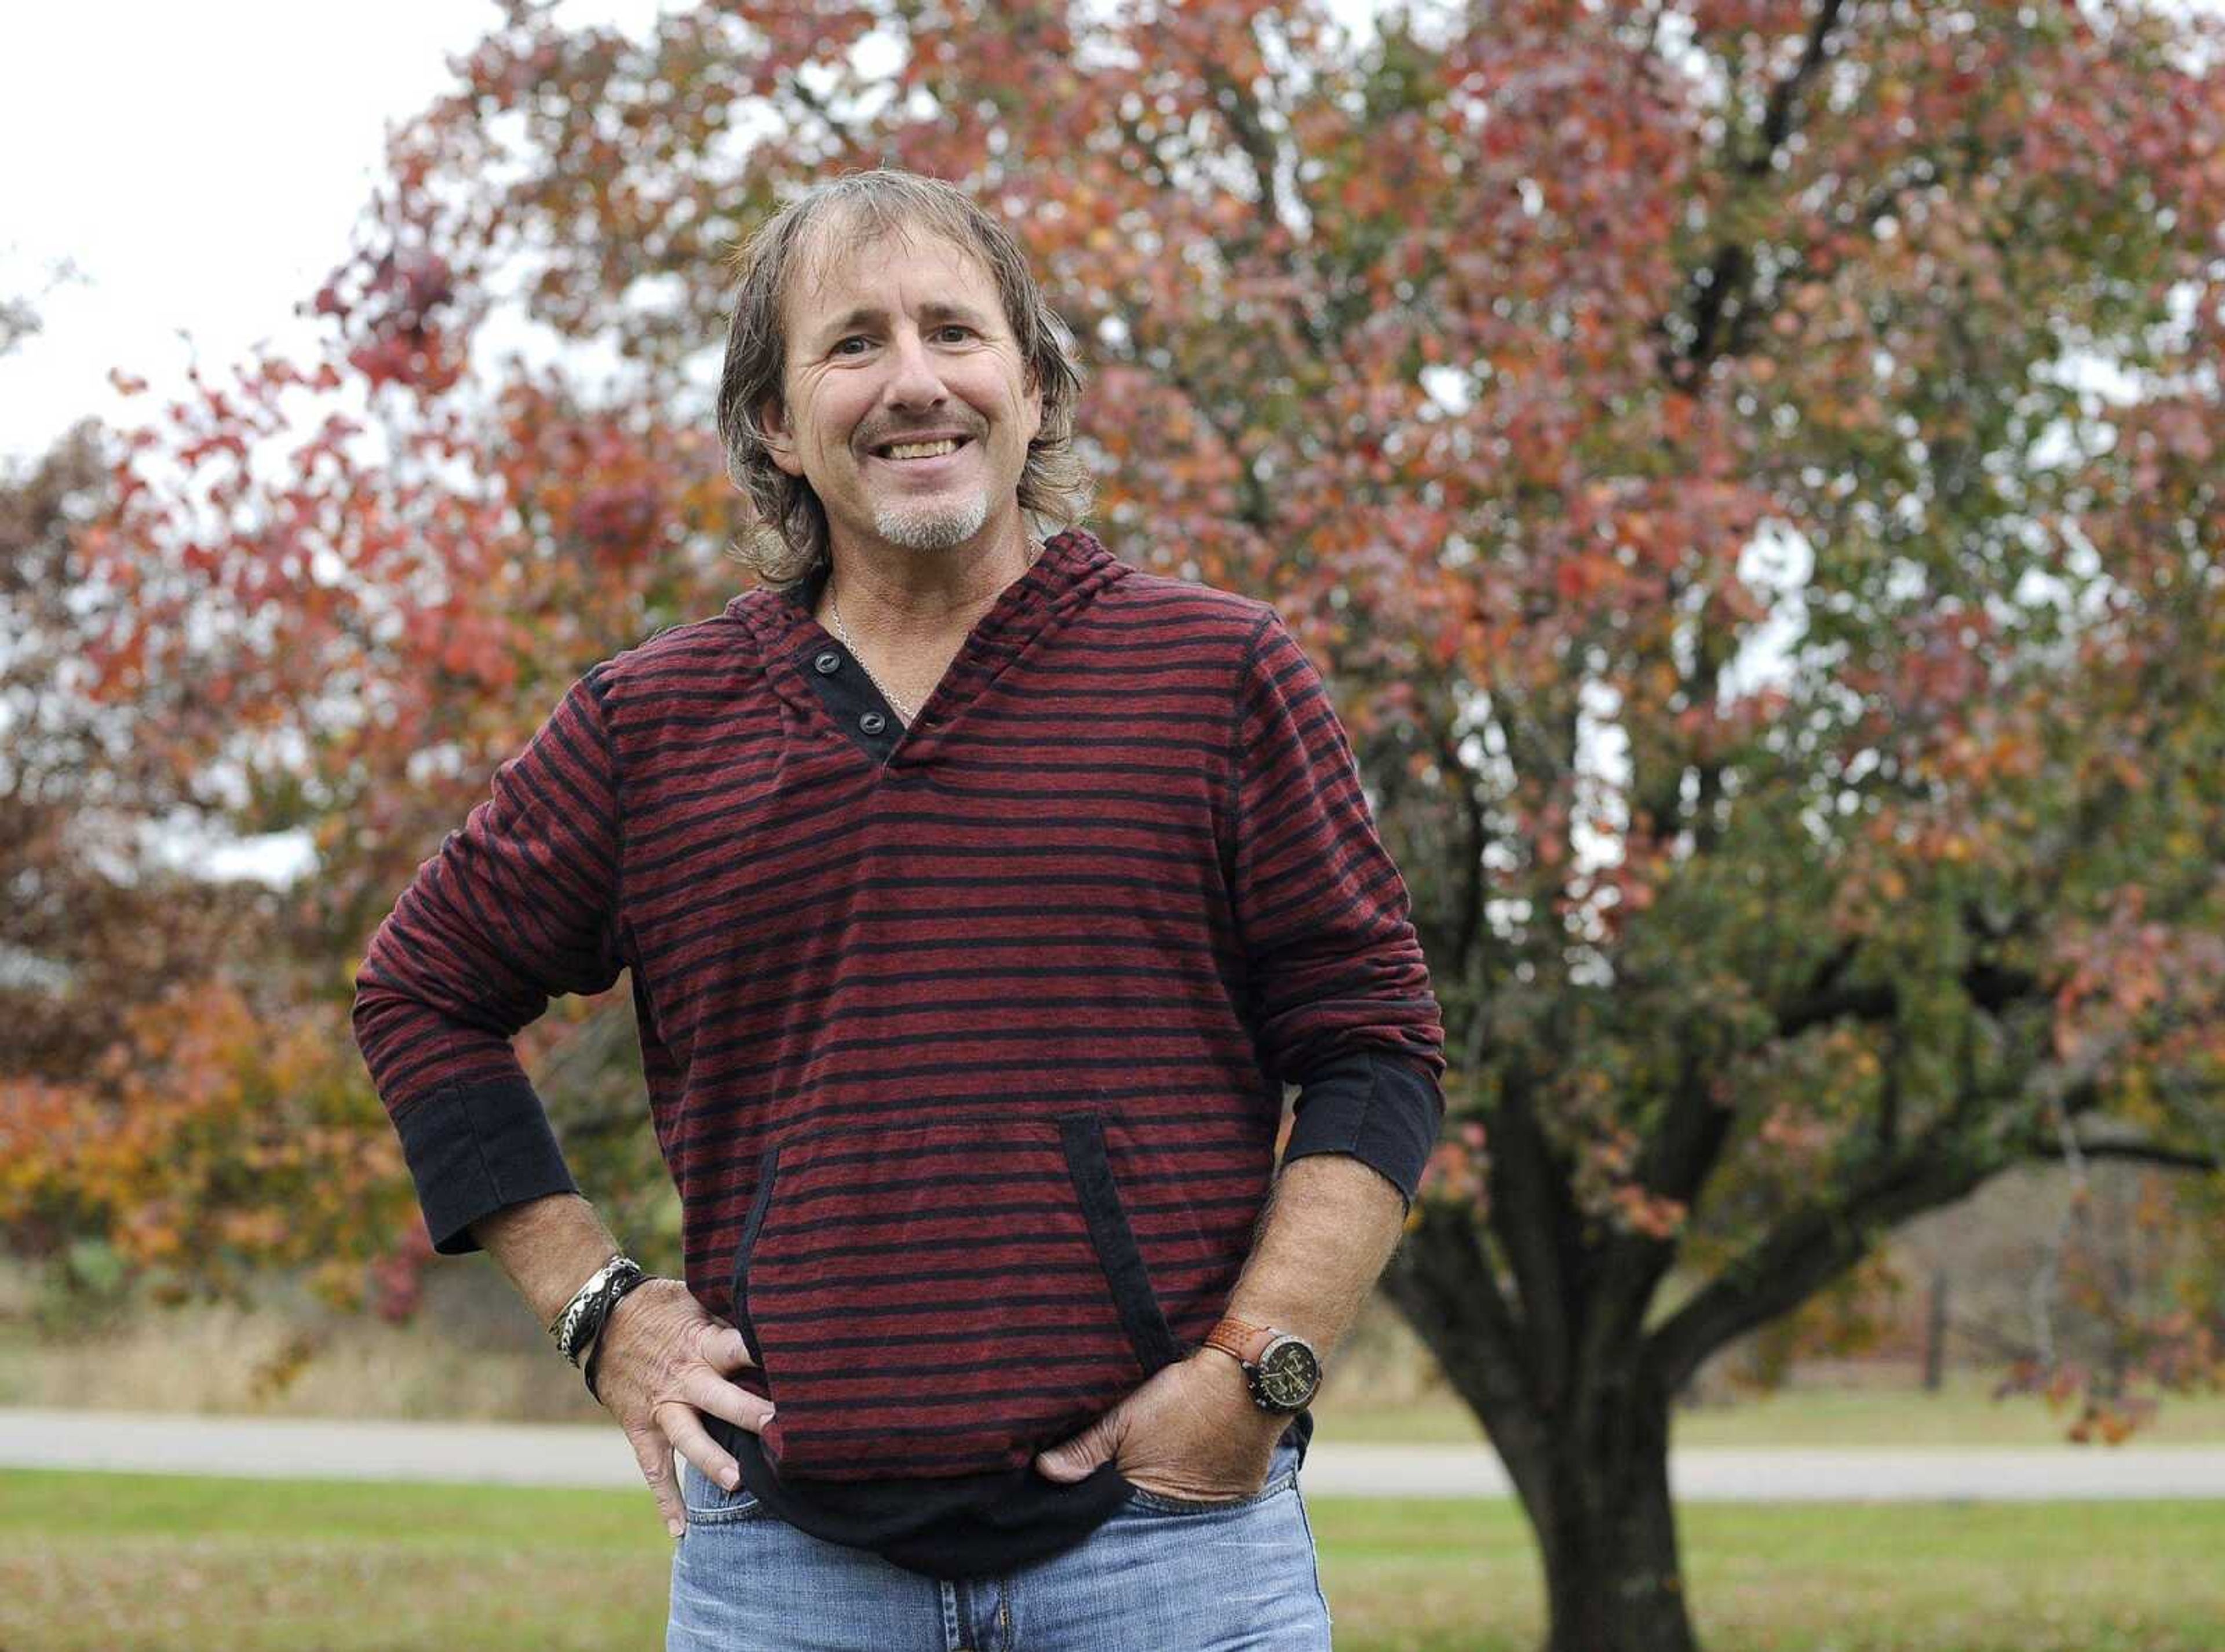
(1189, 1432)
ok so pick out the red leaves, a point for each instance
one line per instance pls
(2120, 975)
(1577, 577)
(619, 521)
(1457, 1172)
(397, 1278)
(2175, 1353)
(1648, 1215)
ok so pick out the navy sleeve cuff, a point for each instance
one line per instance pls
(473, 1149)
(1382, 1110)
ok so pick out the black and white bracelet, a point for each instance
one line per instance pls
(581, 1321)
(592, 1373)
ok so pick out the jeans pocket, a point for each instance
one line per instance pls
(1282, 1475)
(1153, 1502)
(709, 1503)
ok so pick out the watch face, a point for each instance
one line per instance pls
(1289, 1373)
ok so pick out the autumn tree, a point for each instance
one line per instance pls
(175, 1110)
(180, 1104)
(73, 935)
(1748, 467)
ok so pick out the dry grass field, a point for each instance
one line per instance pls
(474, 1355)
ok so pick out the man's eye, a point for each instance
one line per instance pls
(958, 328)
(843, 346)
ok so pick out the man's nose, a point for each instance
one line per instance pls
(914, 380)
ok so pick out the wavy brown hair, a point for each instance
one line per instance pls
(788, 540)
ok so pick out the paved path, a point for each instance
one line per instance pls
(596, 1456)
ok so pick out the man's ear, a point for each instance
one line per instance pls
(1035, 408)
(779, 440)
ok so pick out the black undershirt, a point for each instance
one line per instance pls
(958, 1526)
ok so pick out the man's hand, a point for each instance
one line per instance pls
(1189, 1432)
(663, 1361)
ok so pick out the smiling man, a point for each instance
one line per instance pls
(912, 442)
(980, 895)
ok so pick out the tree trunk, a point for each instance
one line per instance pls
(1608, 1535)
(1593, 1475)
(1935, 1334)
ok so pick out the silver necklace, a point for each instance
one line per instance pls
(843, 631)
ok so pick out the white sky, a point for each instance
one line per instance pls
(198, 169)
(201, 166)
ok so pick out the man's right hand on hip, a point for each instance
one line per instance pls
(662, 1361)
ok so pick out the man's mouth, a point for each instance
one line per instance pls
(936, 447)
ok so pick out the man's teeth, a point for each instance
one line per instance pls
(923, 449)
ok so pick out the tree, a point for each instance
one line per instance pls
(1746, 466)
(166, 1110)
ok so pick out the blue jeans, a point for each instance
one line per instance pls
(1160, 1576)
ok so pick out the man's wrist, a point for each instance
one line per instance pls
(1231, 1385)
(1280, 1369)
(590, 1356)
(616, 1310)
(548, 1247)
(581, 1320)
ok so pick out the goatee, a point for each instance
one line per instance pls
(935, 527)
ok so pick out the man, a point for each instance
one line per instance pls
(979, 894)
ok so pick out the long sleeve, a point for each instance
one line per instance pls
(517, 907)
(1341, 1001)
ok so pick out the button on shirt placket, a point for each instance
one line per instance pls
(843, 684)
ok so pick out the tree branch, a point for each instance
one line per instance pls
(1676, 1164)
(849, 137)
(1777, 123)
(1252, 136)
(1728, 270)
(1529, 1215)
(1470, 916)
(1807, 1250)
(1815, 1243)
(2152, 1153)
(1830, 996)
(1242, 113)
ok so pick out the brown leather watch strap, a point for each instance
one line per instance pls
(1239, 1339)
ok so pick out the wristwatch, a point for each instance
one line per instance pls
(1283, 1371)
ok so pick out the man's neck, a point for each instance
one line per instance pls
(904, 596)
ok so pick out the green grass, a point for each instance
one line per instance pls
(133, 1564)
(1962, 1413)
(1424, 1576)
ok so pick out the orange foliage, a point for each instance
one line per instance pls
(210, 1140)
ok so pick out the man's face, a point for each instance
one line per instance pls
(897, 349)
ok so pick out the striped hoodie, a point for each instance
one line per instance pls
(965, 1041)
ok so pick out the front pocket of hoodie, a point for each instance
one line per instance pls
(745, 1247)
(943, 1299)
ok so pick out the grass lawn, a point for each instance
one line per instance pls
(1963, 1414)
(127, 1564)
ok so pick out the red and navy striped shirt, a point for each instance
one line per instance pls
(965, 1041)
